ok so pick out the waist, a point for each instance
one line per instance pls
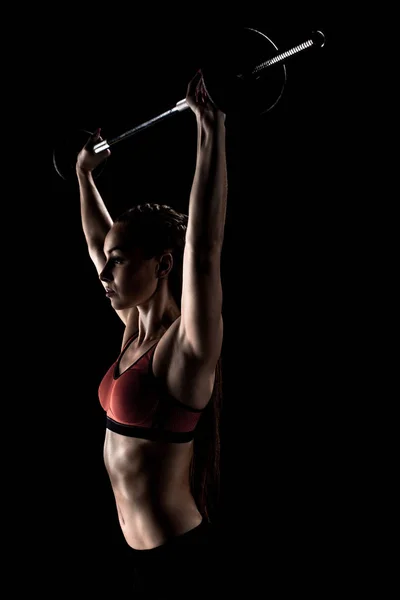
(149, 524)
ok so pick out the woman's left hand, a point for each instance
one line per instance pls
(200, 102)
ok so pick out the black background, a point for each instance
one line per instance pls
(283, 279)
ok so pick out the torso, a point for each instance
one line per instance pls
(151, 480)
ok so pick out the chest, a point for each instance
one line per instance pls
(130, 356)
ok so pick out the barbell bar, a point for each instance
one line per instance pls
(317, 39)
(245, 74)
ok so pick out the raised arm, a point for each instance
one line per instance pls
(96, 220)
(201, 312)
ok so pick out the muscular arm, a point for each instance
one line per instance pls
(207, 203)
(96, 220)
(201, 319)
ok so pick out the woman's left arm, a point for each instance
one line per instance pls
(201, 309)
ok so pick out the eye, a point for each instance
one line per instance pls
(116, 260)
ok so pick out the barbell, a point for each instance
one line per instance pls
(246, 74)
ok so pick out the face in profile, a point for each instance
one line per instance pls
(129, 278)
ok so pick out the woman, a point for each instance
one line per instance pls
(161, 272)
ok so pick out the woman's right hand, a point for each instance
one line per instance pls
(87, 160)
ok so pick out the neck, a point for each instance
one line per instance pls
(157, 315)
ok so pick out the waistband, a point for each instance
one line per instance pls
(197, 537)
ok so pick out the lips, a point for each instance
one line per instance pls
(109, 291)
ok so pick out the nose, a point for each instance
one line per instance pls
(105, 274)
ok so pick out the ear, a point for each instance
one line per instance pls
(164, 265)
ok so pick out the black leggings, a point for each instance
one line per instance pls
(184, 567)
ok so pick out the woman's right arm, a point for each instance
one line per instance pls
(96, 220)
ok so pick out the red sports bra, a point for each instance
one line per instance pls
(138, 405)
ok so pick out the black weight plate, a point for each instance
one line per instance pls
(65, 153)
(228, 77)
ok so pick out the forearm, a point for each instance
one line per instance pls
(96, 220)
(207, 204)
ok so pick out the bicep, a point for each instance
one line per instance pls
(201, 320)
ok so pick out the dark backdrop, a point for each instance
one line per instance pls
(281, 506)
